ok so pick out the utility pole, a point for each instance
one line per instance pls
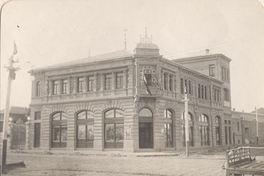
(11, 76)
(186, 116)
(6, 115)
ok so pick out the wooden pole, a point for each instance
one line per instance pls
(186, 116)
(6, 114)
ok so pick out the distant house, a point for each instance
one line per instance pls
(16, 113)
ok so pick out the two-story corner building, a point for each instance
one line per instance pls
(101, 103)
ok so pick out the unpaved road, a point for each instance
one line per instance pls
(60, 165)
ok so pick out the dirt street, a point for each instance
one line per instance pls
(39, 164)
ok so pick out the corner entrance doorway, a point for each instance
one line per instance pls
(145, 135)
(145, 129)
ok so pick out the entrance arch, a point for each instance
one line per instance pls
(145, 128)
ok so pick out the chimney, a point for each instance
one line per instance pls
(207, 51)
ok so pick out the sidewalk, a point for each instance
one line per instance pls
(181, 154)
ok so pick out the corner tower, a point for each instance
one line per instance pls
(146, 47)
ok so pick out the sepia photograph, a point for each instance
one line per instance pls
(131, 87)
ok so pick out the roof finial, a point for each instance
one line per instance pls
(146, 39)
(125, 39)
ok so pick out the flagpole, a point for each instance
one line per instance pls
(257, 124)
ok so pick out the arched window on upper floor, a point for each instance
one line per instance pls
(205, 92)
(38, 87)
(202, 92)
(199, 91)
(190, 87)
(226, 94)
(182, 86)
(170, 83)
(186, 86)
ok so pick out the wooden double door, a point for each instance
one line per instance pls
(145, 135)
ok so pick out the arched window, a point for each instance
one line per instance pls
(226, 94)
(217, 130)
(190, 87)
(199, 92)
(186, 86)
(59, 130)
(114, 128)
(165, 84)
(170, 83)
(190, 118)
(182, 86)
(202, 92)
(204, 129)
(168, 128)
(205, 92)
(38, 86)
(85, 129)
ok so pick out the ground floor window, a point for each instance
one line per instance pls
(114, 135)
(59, 136)
(168, 134)
(204, 132)
(168, 128)
(204, 129)
(85, 129)
(217, 135)
(114, 129)
(37, 135)
(59, 130)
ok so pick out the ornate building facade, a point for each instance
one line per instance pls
(101, 103)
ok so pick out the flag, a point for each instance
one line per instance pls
(146, 84)
(15, 49)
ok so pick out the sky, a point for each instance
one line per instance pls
(49, 32)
